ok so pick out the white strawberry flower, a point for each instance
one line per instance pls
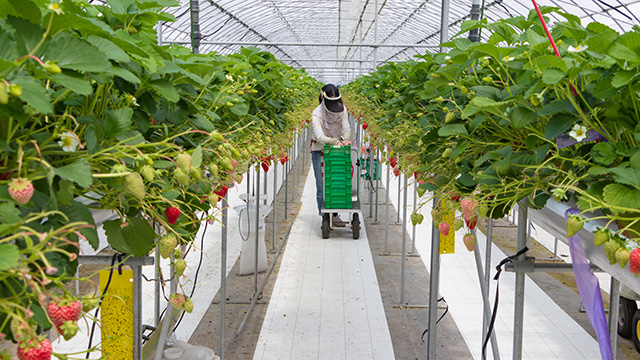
(55, 8)
(229, 77)
(447, 57)
(579, 132)
(68, 141)
(508, 58)
(578, 48)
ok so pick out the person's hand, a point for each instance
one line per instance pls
(345, 142)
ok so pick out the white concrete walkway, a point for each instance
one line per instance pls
(326, 302)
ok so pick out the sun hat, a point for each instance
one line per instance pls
(332, 98)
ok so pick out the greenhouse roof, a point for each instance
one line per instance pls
(299, 32)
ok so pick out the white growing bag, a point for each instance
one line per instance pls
(247, 220)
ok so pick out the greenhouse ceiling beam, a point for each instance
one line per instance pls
(278, 44)
(331, 60)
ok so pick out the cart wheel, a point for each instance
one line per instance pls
(325, 226)
(626, 311)
(355, 226)
(635, 330)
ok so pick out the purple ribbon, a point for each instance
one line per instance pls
(589, 288)
(564, 139)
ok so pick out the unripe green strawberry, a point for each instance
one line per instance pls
(184, 162)
(574, 224)
(482, 210)
(4, 93)
(89, 303)
(188, 306)
(177, 300)
(226, 164)
(238, 178)
(449, 117)
(69, 329)
(167, 244)
(601, 236)
(464, 90)
(436, 215)
(213, 200)
(421, 191)
(196, 173)
(213, 169)
(534, 100)
(181, 177)
(177, 253)
(15, 90)
(134, 185)
(179, 267)
(229, 104)
(21, 190)
(52, 68)
(447, 153)
(216, 136)
(147, 173)
(416, 218)
(458, 224)
(487, 79)
(610, 248)
(622, 256)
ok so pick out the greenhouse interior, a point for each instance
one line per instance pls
(183, 179)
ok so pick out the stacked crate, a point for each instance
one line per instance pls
(337, 177)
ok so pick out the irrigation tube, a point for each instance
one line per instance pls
(376, 166)
(399, 193)
(223, 272)
(485, 300)
(415, 206)
(434, 279)
(255, 269)
(273, 203)
(404, 243)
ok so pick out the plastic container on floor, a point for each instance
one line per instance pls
(247, 220)
(182, 350)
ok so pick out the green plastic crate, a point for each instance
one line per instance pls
(337, 177)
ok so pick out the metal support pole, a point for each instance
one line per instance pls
(223, 273)
(404, 242)
(273, 204)
(255, 269)
(555, 247)
(444, 23)
(370, 180)
(195, 26)
(614, 312)
(434, 278)
(518, 316)
(399, 192)
(293, 176)
(285, 177)
(487, 266)
(487, 308)
(137, 312)
(387, 199)
(156, 287)
(415, 207)
(375, 168)
(474, 34)
(375, 35)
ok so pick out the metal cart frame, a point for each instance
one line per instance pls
(355, 211)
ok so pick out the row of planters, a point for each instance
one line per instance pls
(487, 125)
(95, 115)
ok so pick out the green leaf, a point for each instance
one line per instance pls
(626, 176)
(117, 122)
(620, 196)
(622, 77)
(9, 256)
(603, 38)
(240, 109)
(557, 106)
(557, 125)
(80, 212)
(603, 153)
(196, 157)
(113, 51)
(166, 89)
(25, 9)
(452, 129)
(521, 117)
(65, 192)
(552, 76)
(477, 121)
(27, 35)
(597, 170)
(136, 237)
(460, 147)
(69, 52)
(34, 94)
(120, 6)
(626, 47)
(124, 74)
(9, 213)
(202, 123)
(78, 172)
(73, 81)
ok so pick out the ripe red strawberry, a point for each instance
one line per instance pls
(469, 241)
(444, 228)
(634, 262)
(177, 300)
(62, 312)
(172, 214)
(393, 162)
(284, 159)
(265, 165)
(455, 195)
(471, 223)
(396, 171)
(574, 224)
(221, 191)
(167, 244)
(21, 190)
(34, 349)
(469, 207)
(365, 126)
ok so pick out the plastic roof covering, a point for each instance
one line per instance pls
(282, 22)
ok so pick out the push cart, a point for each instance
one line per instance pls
(341, 187)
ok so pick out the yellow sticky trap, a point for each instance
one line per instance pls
(116, 315)
(448, 243)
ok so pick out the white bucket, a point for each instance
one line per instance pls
(247, 228)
